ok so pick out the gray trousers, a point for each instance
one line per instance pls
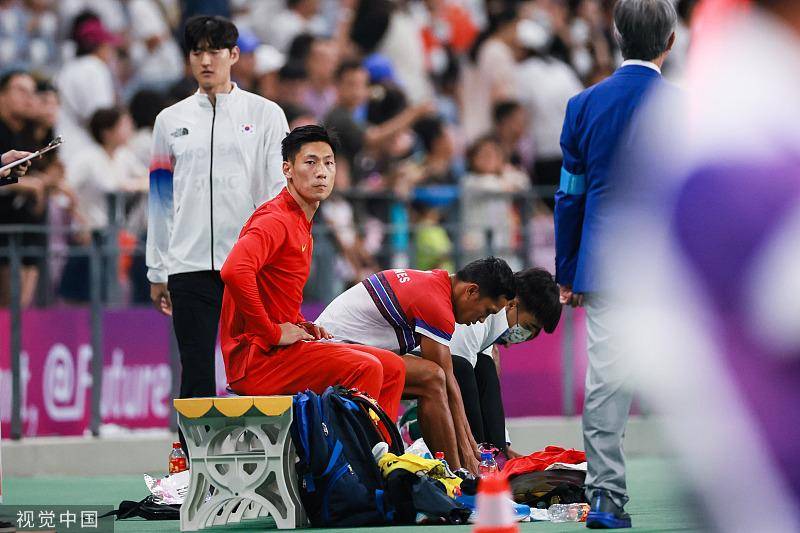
(606, 405)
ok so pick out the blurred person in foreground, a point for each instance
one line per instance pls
(216, 156)
(707, 284)
(594, 130)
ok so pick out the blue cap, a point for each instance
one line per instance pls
(247, 42)
(486, 456)
(380, 69)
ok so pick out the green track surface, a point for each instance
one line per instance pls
(656, 504)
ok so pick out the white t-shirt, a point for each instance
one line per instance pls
(544, 87)
(93, 175)
(84, 86)
(469, 341)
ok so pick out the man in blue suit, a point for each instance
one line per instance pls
(596, 129)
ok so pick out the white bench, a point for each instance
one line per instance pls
(241, 447)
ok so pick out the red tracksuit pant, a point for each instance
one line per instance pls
(318, 365)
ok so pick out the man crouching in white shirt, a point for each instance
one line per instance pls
(476, 359)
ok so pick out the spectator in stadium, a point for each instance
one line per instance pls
(476, 359)
(19, 202)
(155, 56)
(594, 130)
(489, 74)
(544, 86)
(487, 208)
(105, 168)
(264, 335)
(349, 116)
(243, 71)
(400, 310)
(509, 121)
(216, 155)
(320, 63)
(11, 176)
(298, 17)
(292, 82)
(268, 63)
(86, 83)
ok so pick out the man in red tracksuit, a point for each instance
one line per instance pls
(267, 345)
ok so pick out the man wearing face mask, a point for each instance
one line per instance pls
(476, 363)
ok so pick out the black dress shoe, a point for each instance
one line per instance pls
(605, 514)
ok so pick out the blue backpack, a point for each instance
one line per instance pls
(340, 482)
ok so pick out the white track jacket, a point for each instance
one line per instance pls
(211, 167)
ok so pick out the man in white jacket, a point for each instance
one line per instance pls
(216, 157)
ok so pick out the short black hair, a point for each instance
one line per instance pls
(385, 103)
(103, 120)
(492, 275)
(429, 129)
(348, 66)
(145, 106)
(504, 109)
(9, 75)
(300, 47)
(538, 293)
(209, 32)
(292, 72)
(292, 143)
(294, 111)
(642, 28)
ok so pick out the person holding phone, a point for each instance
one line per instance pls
(12, 175)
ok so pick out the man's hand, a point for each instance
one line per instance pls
(291, 333)
(10, 157)
(567, 297)
(318, 332)
(160, 297)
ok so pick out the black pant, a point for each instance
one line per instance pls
(483, 403)
(196, 304)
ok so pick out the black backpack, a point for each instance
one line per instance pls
(340, 482)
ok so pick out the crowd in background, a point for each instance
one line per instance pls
(443, 108)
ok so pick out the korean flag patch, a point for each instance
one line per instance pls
(247, 128)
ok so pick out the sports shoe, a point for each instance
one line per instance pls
(605, 514)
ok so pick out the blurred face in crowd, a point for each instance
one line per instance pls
(354, 88)
(488, 158)
(212, 67)
(444, 147)
(312, 171)
(121, 133)
(244, 69)
(471, 307)
(321, 62)
(47, 107)
(307, 8)
(18, 99)
(512, 127)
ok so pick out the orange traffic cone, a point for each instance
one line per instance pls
(494, 512)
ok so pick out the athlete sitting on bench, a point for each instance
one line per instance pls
(399, 310)
(266, 343)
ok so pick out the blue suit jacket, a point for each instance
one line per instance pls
(594, 131)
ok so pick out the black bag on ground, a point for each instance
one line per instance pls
(147, 509)
(340, 482)
(544, 488)
(410, 494)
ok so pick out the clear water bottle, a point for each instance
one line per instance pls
(488, 465)
(573, 512)
(177, 459)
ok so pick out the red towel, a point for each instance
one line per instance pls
(540, 460)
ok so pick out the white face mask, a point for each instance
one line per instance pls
(515, 335)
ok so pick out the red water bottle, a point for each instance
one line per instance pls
(177, 459)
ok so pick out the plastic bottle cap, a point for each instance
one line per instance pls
(176, 445)
(486, 456)
(439, 455)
